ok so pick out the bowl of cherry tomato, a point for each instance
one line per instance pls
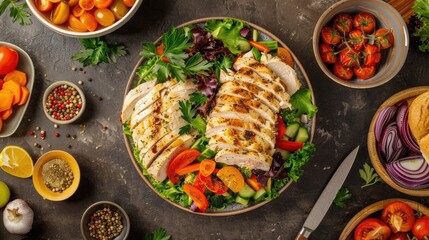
(393, 219)
(360, 43)
(84, 18)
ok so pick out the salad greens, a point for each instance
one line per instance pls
(419, 25)
(200, 54)
(228, 31)
(97, 51)
(369, 176)
(17, 12)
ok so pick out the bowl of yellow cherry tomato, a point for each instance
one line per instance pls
(83, 18)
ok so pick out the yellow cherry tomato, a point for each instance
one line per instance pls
(231, 177)
(89, 21)
(75, 24)
(54, 1)
(86, 4)
(77, 11)
(61, 13)
(102, 3)
(119, 9)
(72, 3)
(104, 17)
(129, 3)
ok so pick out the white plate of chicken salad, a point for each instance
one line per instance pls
(218, 116)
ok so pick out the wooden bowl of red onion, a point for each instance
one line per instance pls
(392, 148)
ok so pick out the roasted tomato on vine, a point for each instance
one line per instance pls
(327, 53)
(400, 236)
(364, 21)
(357, 39)
(421, 228)
(364, 72)
(342, 72)
(330, 36)
(399, 216)
(384, 38)
(349, 57)
(372, 229)
(372, 55)
(343, 23)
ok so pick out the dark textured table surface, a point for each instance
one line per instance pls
(107, 172)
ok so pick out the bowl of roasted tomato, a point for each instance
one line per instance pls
(360, 44)
(84, 18)
(394, 219)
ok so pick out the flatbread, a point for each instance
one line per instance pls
(418, 116)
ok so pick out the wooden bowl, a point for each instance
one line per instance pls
(39, 184)
(374, 154)
(348, 231)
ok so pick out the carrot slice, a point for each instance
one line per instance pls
(207, 167)
(24, 96)
(260, 46)
(17, 76)
(6, 99)
(6, 114)
(190, 168)
(15, 89)
(181, 160)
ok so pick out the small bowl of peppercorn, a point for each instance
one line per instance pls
(64, 102)
(105, 220)
(56, 175)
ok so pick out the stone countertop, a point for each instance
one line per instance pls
(107, 171)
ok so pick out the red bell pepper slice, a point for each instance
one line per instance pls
(187, 169)
(183, 159)
(199, 184)
(197, 196)
(281, 126)
(253, 183)
(289, 145)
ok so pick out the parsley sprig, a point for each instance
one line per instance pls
(159, 234)
(17, 12)
(97, 51)
(369, 176)
(342, 195)
(189, 109)
(170, 59)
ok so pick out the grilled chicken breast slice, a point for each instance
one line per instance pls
(158, 168)
(242, 139)
(148, 157)
(133, 96)
(148, 112)
(249, 76)
(215, 125)
(250, 91)
(253, 104)
(244, 158)
(286, 74)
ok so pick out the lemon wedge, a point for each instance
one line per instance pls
(16, 161)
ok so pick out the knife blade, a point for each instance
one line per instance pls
(325, 199)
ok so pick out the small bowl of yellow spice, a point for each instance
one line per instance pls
(56, 175)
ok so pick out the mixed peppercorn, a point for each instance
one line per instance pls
(63, 103)
(105, 224)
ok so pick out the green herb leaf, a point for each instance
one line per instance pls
(342, 195)
(198, 98)
(185, 129)
(4, 5)
(196, 64)
(187, 111)
(97, 51)
(159, 234)
(200, 124)
(369, 176)
(17, 12)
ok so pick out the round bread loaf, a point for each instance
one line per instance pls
(424, 147)
(418, 116)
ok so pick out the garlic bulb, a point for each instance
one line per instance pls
(18, 217)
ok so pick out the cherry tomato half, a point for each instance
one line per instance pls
(364, 72)
(399, 216)
(102, 3)
(372, 55)
(8, 60)
(364, 21)
(89, 21)
(330, 35)
(104, 17)
(421, 228)
(129, 3)
(327, 53)
(61, 13)
(77, 11)
(342, 72)
(357, 39)
(400, 236)
(349, 57)
(119, 9)
(75, 24)
(384, 38)
(86, 4)
(43, 5)
(72, 3)
(343, 23)
(372, 228)
(231, 177)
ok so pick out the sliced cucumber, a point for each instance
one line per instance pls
(268, 186)
(284, 153)
(292, 130)
(200, 144)
(206, 154)
(188, 202)
(302, 135)
(241, 200)
(244, 45)
(255, 35)
(260, 193)
(246, 192)
(256, 54)
(227, 195)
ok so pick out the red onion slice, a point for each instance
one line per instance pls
(384, 118)
(410, 172)
(391, 145)
(404, 129)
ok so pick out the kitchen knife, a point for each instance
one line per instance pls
(328, 195)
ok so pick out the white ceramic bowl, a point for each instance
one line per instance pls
(387, 17)
(64, 30)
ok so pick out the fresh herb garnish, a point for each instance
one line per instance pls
(342, 195)
(189, 109)
(17, 12)
(159, 234)
(170, 59)
(369, 176)
(97, 51)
